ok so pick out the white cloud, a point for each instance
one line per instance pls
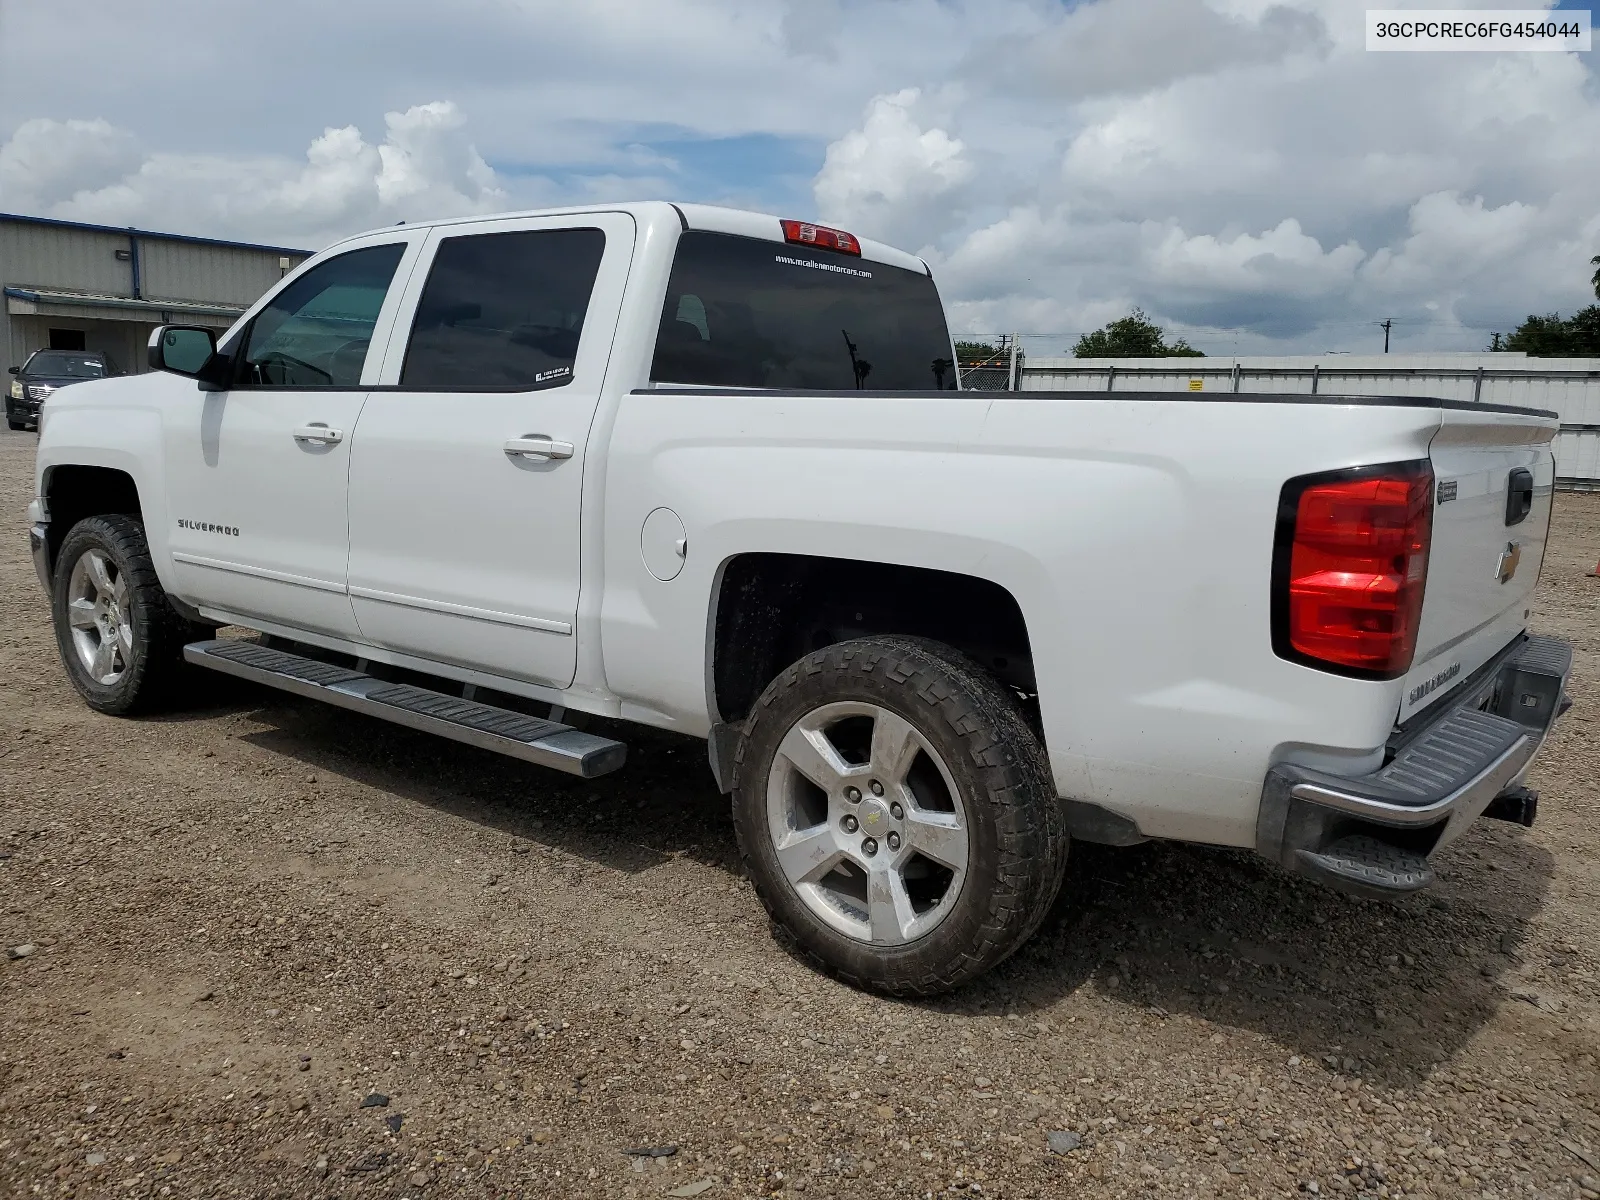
(90, 171)
(427, 162)
(890, 176)
(1452, 239)
(1132, 46)
(1283, 260)
(46, 159)
(1266, 183)
(1241, 165)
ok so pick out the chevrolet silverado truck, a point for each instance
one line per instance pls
(711, 471)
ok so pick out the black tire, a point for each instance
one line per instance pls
(1017, 835)
(155, 661)
(17, 426)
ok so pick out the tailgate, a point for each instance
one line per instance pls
(1485, 556)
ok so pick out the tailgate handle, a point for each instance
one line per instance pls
(1519, 496)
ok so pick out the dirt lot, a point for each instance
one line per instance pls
(248, 918)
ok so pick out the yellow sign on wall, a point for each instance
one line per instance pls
(1197, 385)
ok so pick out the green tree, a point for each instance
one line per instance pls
(1585, 327)
(1132, 336)
(1552, 336)
(975, 350)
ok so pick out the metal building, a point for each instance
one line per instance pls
(1568, 386)
(71, 286)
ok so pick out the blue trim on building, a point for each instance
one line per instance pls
(147, 233)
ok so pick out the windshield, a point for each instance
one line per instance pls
(744, 312)
(66, 365)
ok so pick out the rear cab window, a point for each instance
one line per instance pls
(743, 312)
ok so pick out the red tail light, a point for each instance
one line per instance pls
(1352, 560)
(820, 235)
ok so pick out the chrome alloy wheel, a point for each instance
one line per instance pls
(99, 616)
(866, 823)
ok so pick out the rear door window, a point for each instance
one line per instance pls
(749, 313)
(503, 311)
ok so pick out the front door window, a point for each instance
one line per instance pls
(316, 331)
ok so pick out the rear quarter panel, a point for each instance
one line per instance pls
(1136, 534)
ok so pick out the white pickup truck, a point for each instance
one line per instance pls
(709, 471)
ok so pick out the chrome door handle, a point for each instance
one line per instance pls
(538, 446)
(318, 432)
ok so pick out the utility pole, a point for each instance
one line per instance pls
(1386, 323)
(1011, 375)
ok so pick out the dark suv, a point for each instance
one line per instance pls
(43, 373)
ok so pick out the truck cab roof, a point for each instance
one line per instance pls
(667, 215)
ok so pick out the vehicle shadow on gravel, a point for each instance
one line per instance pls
(1223, 935)
(1217, 934)
(662, 805)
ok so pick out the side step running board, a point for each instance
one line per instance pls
(529, 738)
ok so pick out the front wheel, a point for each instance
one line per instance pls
(896, 814)
(120, 640)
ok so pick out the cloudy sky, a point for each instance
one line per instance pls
(1242, 169)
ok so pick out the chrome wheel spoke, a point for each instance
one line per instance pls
(99, 574)
(939, 836)
(104, 663)
(894, 746)
(124, 642)
(810, 753)
(889, 910)
(81, 613)
(806, 855)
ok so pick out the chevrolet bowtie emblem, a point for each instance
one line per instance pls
(1509, 558)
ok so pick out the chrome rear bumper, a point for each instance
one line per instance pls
(1372, 834)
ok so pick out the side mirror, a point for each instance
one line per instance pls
(182, 349)
(14, 370)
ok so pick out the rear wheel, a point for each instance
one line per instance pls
(16, 424)
(896, 814)
(120, 640)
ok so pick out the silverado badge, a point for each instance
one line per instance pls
(1509, 558)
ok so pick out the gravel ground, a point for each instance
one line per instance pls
(251, 920)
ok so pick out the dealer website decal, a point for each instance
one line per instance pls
(823, 266)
